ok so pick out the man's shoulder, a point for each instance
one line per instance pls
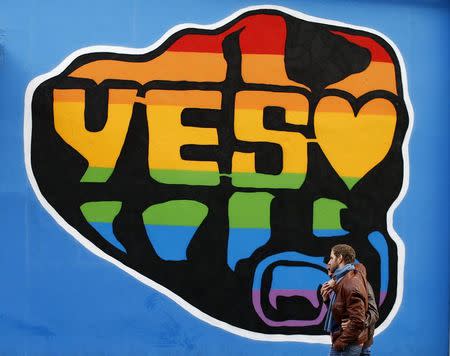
(353, 281)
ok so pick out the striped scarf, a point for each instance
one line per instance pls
(330, 323)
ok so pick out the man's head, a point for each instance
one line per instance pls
(340, 256)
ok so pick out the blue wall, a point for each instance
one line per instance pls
(58, 298)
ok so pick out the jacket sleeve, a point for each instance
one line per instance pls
(372, 311)
(356, 309)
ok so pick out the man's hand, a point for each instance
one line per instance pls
(345, 323)
(327, 287)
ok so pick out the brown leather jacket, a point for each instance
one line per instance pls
(351, 303)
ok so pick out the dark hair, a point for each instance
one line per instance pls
(347, 252)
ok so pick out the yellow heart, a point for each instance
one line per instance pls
(354, 145)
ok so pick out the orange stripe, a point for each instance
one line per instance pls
(261, 99)
(334, 104)
(256, 68)
(186, 98)
(68, 95)
(115, 96)
(203, 99)
(175, 66)
(270, 69)
(208, 99)
(266, 69)
(377, 76)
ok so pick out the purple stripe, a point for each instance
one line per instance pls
(382, 296)
(311, 295)
(256, 297)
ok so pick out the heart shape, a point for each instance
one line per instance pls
(354, 144)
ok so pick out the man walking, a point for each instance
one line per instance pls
(348, 300)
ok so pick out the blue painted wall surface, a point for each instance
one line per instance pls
(57, 298)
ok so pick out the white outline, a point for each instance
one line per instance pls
(322, 339)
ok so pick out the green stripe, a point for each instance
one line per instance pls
(101, 211)
(259, 180)
(249, 210)
(350, 181)
(96, 175)
(327, 214)
(176, 212)
(251, 180)
(185, 177)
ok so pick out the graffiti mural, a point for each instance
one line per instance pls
(221, 165)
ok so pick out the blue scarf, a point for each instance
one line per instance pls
(330, 323)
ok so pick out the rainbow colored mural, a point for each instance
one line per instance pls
(222, 164)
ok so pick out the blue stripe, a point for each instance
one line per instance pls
(378, 241)
(106, 230)
(170, 242)
(297, 277)
(243, 242)
(329, 233)
(285, 256)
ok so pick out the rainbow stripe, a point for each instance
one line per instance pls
(249, 219)
(167, 135)
(100, 215)
(352, 145)
(171, 226)
(199, 57)
(101, 149)
(288, 281)
(326, 218)
(378, 241)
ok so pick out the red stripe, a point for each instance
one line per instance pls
(261, 34)
(379, 54)
(264, 34)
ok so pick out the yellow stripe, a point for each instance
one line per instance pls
(355, 145)
(102, 148)
(352, 145)
(248, 126)
(167, 134)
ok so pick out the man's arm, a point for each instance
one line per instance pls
(356, 320)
